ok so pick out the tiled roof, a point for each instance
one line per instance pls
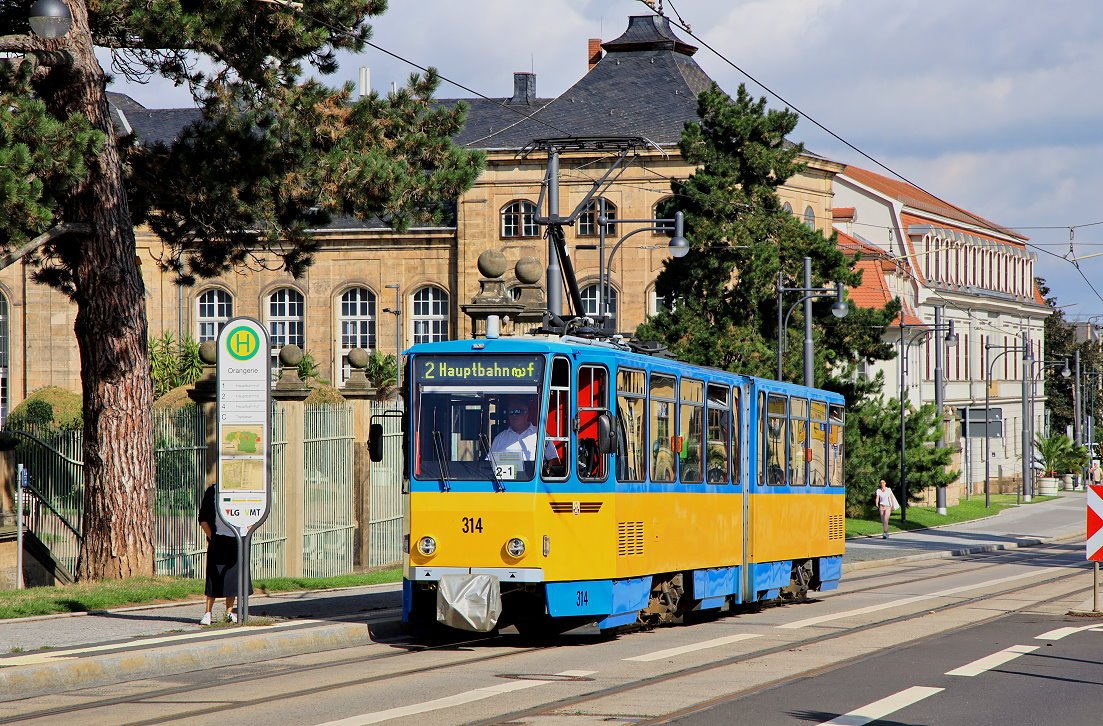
(646, 86)
(874, 292)
(842, 213)
(920, 200)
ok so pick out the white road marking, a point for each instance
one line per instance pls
(879, 709)
(1064, 632)
(995, 660)
(71, 653)
(671, 652)
(915, 598)
(459, 699)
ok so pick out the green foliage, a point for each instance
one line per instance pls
(1059, 455)
(873, 451)
(50, 407)
(308, 369)
(172, 365)
(382, 370)
(721, 298)
(1053, 450)
(41, 157)
(1062, 345)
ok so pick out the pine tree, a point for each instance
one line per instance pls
(721, 298)
(272, 157)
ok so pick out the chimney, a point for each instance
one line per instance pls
(524, 88)
(593, 53)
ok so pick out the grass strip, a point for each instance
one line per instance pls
(103, 595)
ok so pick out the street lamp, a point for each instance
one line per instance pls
(50, 19)
(678, 246)
(396, 311)
(839, 309)
(905, 344)
(1028, 358)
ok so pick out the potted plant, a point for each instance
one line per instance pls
(1053, 453)
(1076, 458)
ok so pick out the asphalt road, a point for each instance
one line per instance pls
(1035, 668)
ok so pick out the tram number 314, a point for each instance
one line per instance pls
(471, 525)
(582, 598)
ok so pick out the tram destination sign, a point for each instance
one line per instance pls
(479, 369)
(244, 392)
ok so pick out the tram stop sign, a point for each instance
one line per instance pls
(244, 392)
(1095, 522)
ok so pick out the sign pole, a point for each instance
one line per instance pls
(244, 404)
(21, 475)
(1095, 587)
(242, 577)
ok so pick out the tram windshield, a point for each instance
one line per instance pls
(475, 417)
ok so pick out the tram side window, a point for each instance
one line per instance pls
(737, 437)
(835, 451)
(631, 406)
(661, 427)
(691, 431)
(798, 441)
(817, 470)
(718, 429)
(774, 439)
(556, 429)
(593, 400)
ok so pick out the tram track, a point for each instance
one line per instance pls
(594, 696)
(520, 648)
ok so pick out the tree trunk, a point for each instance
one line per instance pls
(111, 333)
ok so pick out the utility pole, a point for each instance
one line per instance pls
(939, 352)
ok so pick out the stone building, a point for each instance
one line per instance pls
(935, 255)
(373, 288)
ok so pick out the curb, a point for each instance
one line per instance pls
(946, 554)
(18, 682)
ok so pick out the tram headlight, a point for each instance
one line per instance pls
(426, 546)
(515, 547)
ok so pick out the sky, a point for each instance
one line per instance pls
(992, 105)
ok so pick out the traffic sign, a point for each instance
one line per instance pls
(1095, 522)
(244, 390)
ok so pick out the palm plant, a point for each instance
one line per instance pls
(1054, 452)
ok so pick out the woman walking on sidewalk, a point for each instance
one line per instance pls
(886, 505)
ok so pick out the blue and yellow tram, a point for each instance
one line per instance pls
(645, 488)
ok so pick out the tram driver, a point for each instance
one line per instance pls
(520, 435)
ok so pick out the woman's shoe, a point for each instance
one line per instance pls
(206, 619)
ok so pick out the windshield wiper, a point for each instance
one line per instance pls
(498, 486)
(438, 443)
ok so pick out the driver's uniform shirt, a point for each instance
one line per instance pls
(523, 443)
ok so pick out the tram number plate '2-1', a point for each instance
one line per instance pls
(471, 525)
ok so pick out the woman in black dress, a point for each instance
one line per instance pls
(221, 559)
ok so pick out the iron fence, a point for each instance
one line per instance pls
(330, 525)
(386, 501)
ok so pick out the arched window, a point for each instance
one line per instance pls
(787, 208)
(518, 219)
(430, 315)
(357, 324)
(215, 308)
(590, 306)
(587, 221)
(285, 321)
(664, 209)
(809, 217)
(3, 359)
